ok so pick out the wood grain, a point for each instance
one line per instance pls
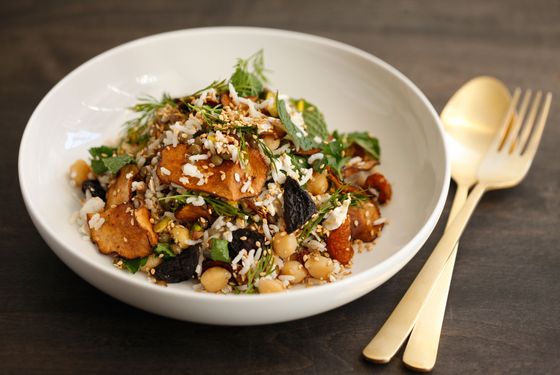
(504, 308)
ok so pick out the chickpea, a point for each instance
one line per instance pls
(270, 286)
(319, 267)
(79, 172)
(284, 244)
(215, 279)
(295, 269)
(318, 184)
(271, 142)
(180, 236)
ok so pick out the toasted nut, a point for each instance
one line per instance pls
(215, 279)
(225, 100)
(338, 243)
(362, 219)
(378, 182)
(270, 286)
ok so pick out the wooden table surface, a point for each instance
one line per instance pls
(504, 309)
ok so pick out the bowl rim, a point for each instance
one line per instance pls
(397, 259)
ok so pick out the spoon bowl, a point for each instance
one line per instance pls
(470, 119)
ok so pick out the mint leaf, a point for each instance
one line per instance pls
(314, 124)
(333, 155)
(133, 265)
(314, 120)
(367, 142)
(102, 152)
(98, 166)
(115, 163)
(165, 249)
(300, 140)
(219, 250)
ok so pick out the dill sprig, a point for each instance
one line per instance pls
(218, 205)
(246, 81)
(264, 267)
(267, 152)
(147, 107)
(220, 87)
(299, 162)
(326, 207)
(210, 114)
(318, 217)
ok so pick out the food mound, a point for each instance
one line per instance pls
(235, 187)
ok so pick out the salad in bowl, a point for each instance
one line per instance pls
(236, 187)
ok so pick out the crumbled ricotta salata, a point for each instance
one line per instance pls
(337, 216)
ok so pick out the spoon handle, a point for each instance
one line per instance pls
(399, 324)
(422, 347)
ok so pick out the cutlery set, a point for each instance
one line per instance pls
(487, 154)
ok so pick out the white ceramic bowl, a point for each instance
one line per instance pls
(355, 91)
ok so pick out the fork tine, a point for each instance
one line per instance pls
(537, 133)
(529, 122)
(513, 133)
(498, 142)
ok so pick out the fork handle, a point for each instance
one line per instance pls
(392, 334)
(422, 346)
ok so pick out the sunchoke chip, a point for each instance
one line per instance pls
(173, 159)
(126, 232)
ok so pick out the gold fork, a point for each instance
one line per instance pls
(505, 164)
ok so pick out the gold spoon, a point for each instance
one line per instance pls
(471, 119)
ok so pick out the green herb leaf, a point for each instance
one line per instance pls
(210, 114)
(219, 250)
(104, 159)
(102, 152)
(98, 166)
(314, 124)
(147, 108)
(334, 157)
(369, 143)
(314, 120)
(218, 205)
(133, 265)
(165, 249)
(299, 162)
(249, 82)
(264, 267)
(219, 86)
(115, 163)
(301, 140)
(337, 198)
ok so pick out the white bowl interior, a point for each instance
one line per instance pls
(354, 91)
